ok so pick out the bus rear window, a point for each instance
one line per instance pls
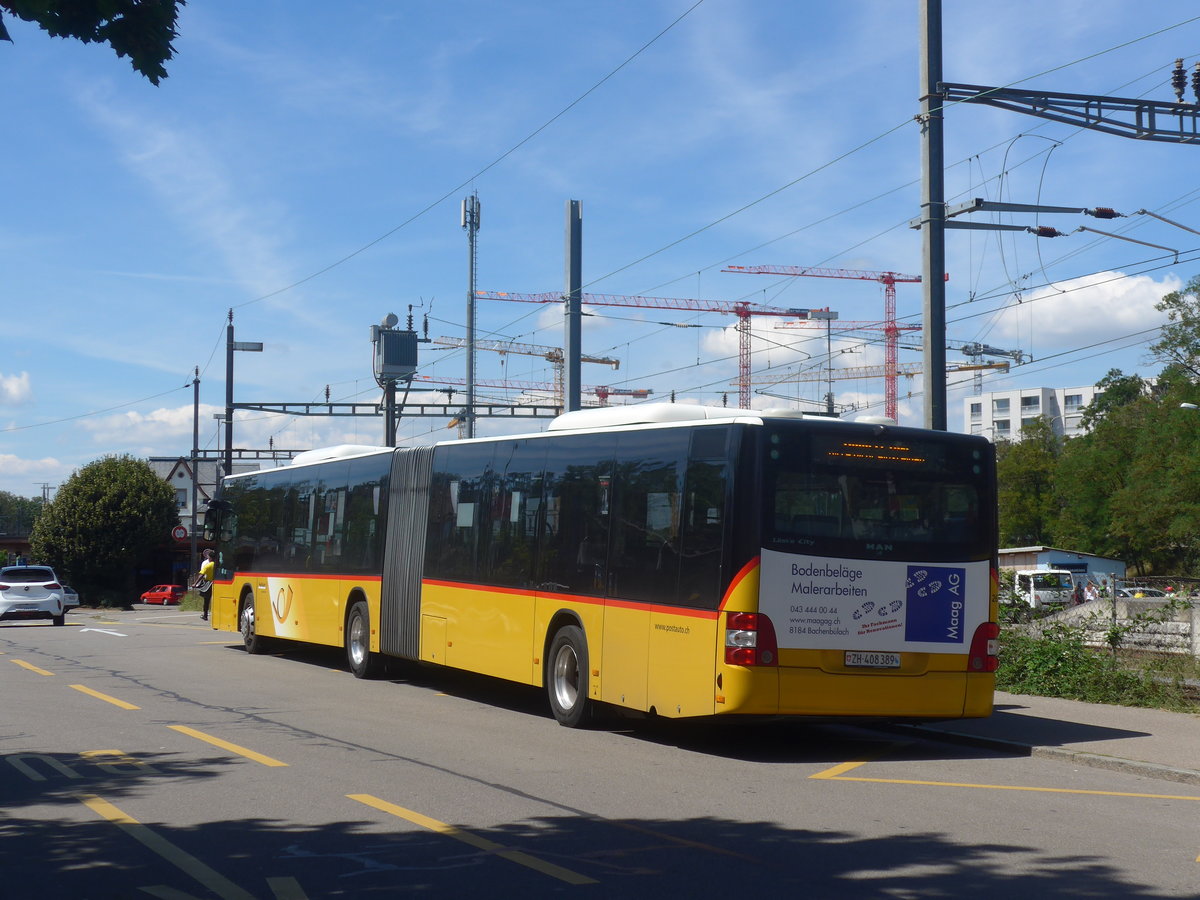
(890, 496)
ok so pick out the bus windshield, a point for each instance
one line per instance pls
(890, 495)
(1050, 582)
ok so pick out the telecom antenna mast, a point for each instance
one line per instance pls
(470, 223)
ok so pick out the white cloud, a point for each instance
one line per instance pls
(197, 183)
(1078, 312)
(14, 388)
(134, 432)
(22, 476)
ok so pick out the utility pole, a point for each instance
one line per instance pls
(195, 463)
(395, 360)
(470, 222)
(933, 215)
(1143, 120)
(574, 312)
(230, 346)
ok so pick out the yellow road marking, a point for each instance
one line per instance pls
(226, 745)
(474, 840)
(99, 696)
(682, 842)
(211, 879)
(837, 771)
(30, 666)
(1008, 787)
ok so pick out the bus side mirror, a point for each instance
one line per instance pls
(218, 521)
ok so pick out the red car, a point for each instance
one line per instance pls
(166, 594)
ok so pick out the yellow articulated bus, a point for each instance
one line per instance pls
(675, 560)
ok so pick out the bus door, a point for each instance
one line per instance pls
(572, 563)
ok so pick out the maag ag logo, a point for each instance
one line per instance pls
(935, 603)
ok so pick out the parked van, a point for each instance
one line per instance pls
(1042, 587)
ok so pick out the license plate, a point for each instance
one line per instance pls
(872, 660)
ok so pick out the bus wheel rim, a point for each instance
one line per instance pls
(357, 647)
(566, 678)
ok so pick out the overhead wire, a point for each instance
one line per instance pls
(686, 237)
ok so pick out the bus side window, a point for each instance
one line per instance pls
(702, 542)
(644, 559)
(515, 504)
(573, 545)
(460, 512)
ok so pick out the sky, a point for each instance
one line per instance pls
(303, 167)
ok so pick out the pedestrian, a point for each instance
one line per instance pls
(1091, 592)
(1077, 594)
(204, 581)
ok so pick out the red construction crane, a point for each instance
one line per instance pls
(740, 308)
(891, 331)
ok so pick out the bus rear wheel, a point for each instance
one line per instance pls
(363, 663)
(251, 639)
(567, 676)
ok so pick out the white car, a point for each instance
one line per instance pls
(31, 592)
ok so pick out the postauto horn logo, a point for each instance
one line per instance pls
(935, 604)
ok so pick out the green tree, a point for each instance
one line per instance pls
(1114, 390)
(140, 29)
(1025, 476)
(105, 521)
(17, 514)
(1179, 341)
(1130, 487)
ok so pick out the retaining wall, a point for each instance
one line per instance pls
(1178, 634)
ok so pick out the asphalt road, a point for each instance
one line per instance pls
(146, 756)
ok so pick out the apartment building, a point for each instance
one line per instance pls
(1000, 415)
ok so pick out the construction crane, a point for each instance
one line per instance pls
(601, 392)
(976, 351)
(891, 331)
(907, 369)
(554, 355)
(740, 308)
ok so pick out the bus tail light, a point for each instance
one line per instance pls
(750, 640)
(984, 648)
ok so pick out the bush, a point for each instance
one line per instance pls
(1056, 663)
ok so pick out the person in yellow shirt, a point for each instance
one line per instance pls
(204, 581)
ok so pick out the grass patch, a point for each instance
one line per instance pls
(191, 602)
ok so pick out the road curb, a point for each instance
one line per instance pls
(1079, 757)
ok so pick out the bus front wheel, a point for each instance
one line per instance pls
(363, 663)
(567, 676)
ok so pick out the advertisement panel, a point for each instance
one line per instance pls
(854, 604)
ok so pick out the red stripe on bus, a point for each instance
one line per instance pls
(737, 579)
(299, 576)
(580, 599)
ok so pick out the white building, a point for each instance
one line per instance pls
(999, 415)
(177, 472)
